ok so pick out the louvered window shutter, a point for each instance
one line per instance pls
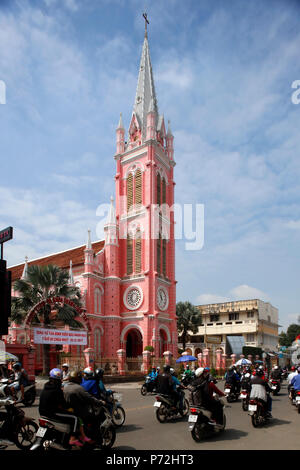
(138, 253)
(138, 187)
(129, 255)
(164, 250)
(129, 191)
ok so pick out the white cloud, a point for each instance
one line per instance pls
(245, 292)
(211, 299)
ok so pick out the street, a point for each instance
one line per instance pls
(142, 431)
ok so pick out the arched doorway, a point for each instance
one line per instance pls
(163, 342)
(134, 344)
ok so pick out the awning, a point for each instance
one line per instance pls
(236, 344)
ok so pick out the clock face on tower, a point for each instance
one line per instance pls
(162, 298)
(133, 297)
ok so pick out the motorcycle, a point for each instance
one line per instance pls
(168, 409)
(258, 413)
(231, 393)
(148, 386)
(117, 412)
(186, 379)
(201, 425)
(297, 400)
(55, 434)
(275, 386)
(292, 395)
(15, 427)
(29, 392)
(245, 398)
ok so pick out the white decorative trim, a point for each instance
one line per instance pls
(164, 319)
(133, 169)
(160, 279)
(132, 326)
(129, 288)
(133, 318)
(166, 330)
(134, 278)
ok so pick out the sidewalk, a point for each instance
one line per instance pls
(115, 379)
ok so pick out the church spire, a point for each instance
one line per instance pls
(145, 97)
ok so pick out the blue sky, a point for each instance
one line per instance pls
(223, 74)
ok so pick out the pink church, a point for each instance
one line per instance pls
(128, 279)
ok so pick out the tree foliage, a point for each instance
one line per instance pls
(188, 320)
(286, 339)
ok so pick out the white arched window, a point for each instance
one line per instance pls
(97, 341)
(97, 300)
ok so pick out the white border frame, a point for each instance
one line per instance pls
(133, 286)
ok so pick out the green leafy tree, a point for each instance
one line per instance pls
(188, 320)
(286, 339)
(40, 284)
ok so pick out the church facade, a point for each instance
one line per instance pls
(128, 280)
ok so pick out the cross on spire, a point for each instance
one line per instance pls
(146, 22)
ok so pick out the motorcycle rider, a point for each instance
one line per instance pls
(202, 390)
(177, 390)
(260, 390)
(233, 378)
(290, 376)
(104, 393)
(276, 373)
(19, 381)
(79, 400)
(89, 382)
(295, 382)
(246, 378)
(164, 382)
(53, 405)
(65, 373)
(152, 375)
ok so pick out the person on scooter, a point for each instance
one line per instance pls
(80, 401)
(260, 390)
(53, 405)
(276, 373)
(89, 382)
(164, 382)
(233, 378)
(105, 394)
(65, 373)
(202, 390)
(290, 377)
(152, 375)
(19, 381)
(177, 390)
(295, 382)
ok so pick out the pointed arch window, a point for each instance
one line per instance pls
(164, 191)
(129, 191)
(97, 341)
(138, 187)
(158, 255)
(97, 300)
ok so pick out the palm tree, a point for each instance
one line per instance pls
(188, 319)
(40, 284)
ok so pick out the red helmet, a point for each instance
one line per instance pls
(293, 368)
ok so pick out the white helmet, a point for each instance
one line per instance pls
(172, 370)
(199, 371)
(276, 367)
(88, 371)
(65, 365)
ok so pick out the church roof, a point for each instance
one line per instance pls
(61, 259)
(145, 98)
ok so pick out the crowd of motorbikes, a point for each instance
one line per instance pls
(16, 428)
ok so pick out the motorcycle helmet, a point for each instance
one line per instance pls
(259, 372)
(17, 365)
(55, 374)
(172, 370)
(88, 371)
(75, 376)
(167, 368)
(99, 373)
(65, 365)
(199, 371)
(276, 367)
(293, 368)
(158, 368)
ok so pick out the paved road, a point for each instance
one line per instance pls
(142, 431)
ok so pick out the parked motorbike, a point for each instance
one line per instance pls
(148, 386)
(275, 386)
(29, 392)
(118, 412)
(168, 409)
(201, 425)
(54, 434)
(232, 394)
(258, 413)
(15, 427)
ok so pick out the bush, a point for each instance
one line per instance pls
(149, 348)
